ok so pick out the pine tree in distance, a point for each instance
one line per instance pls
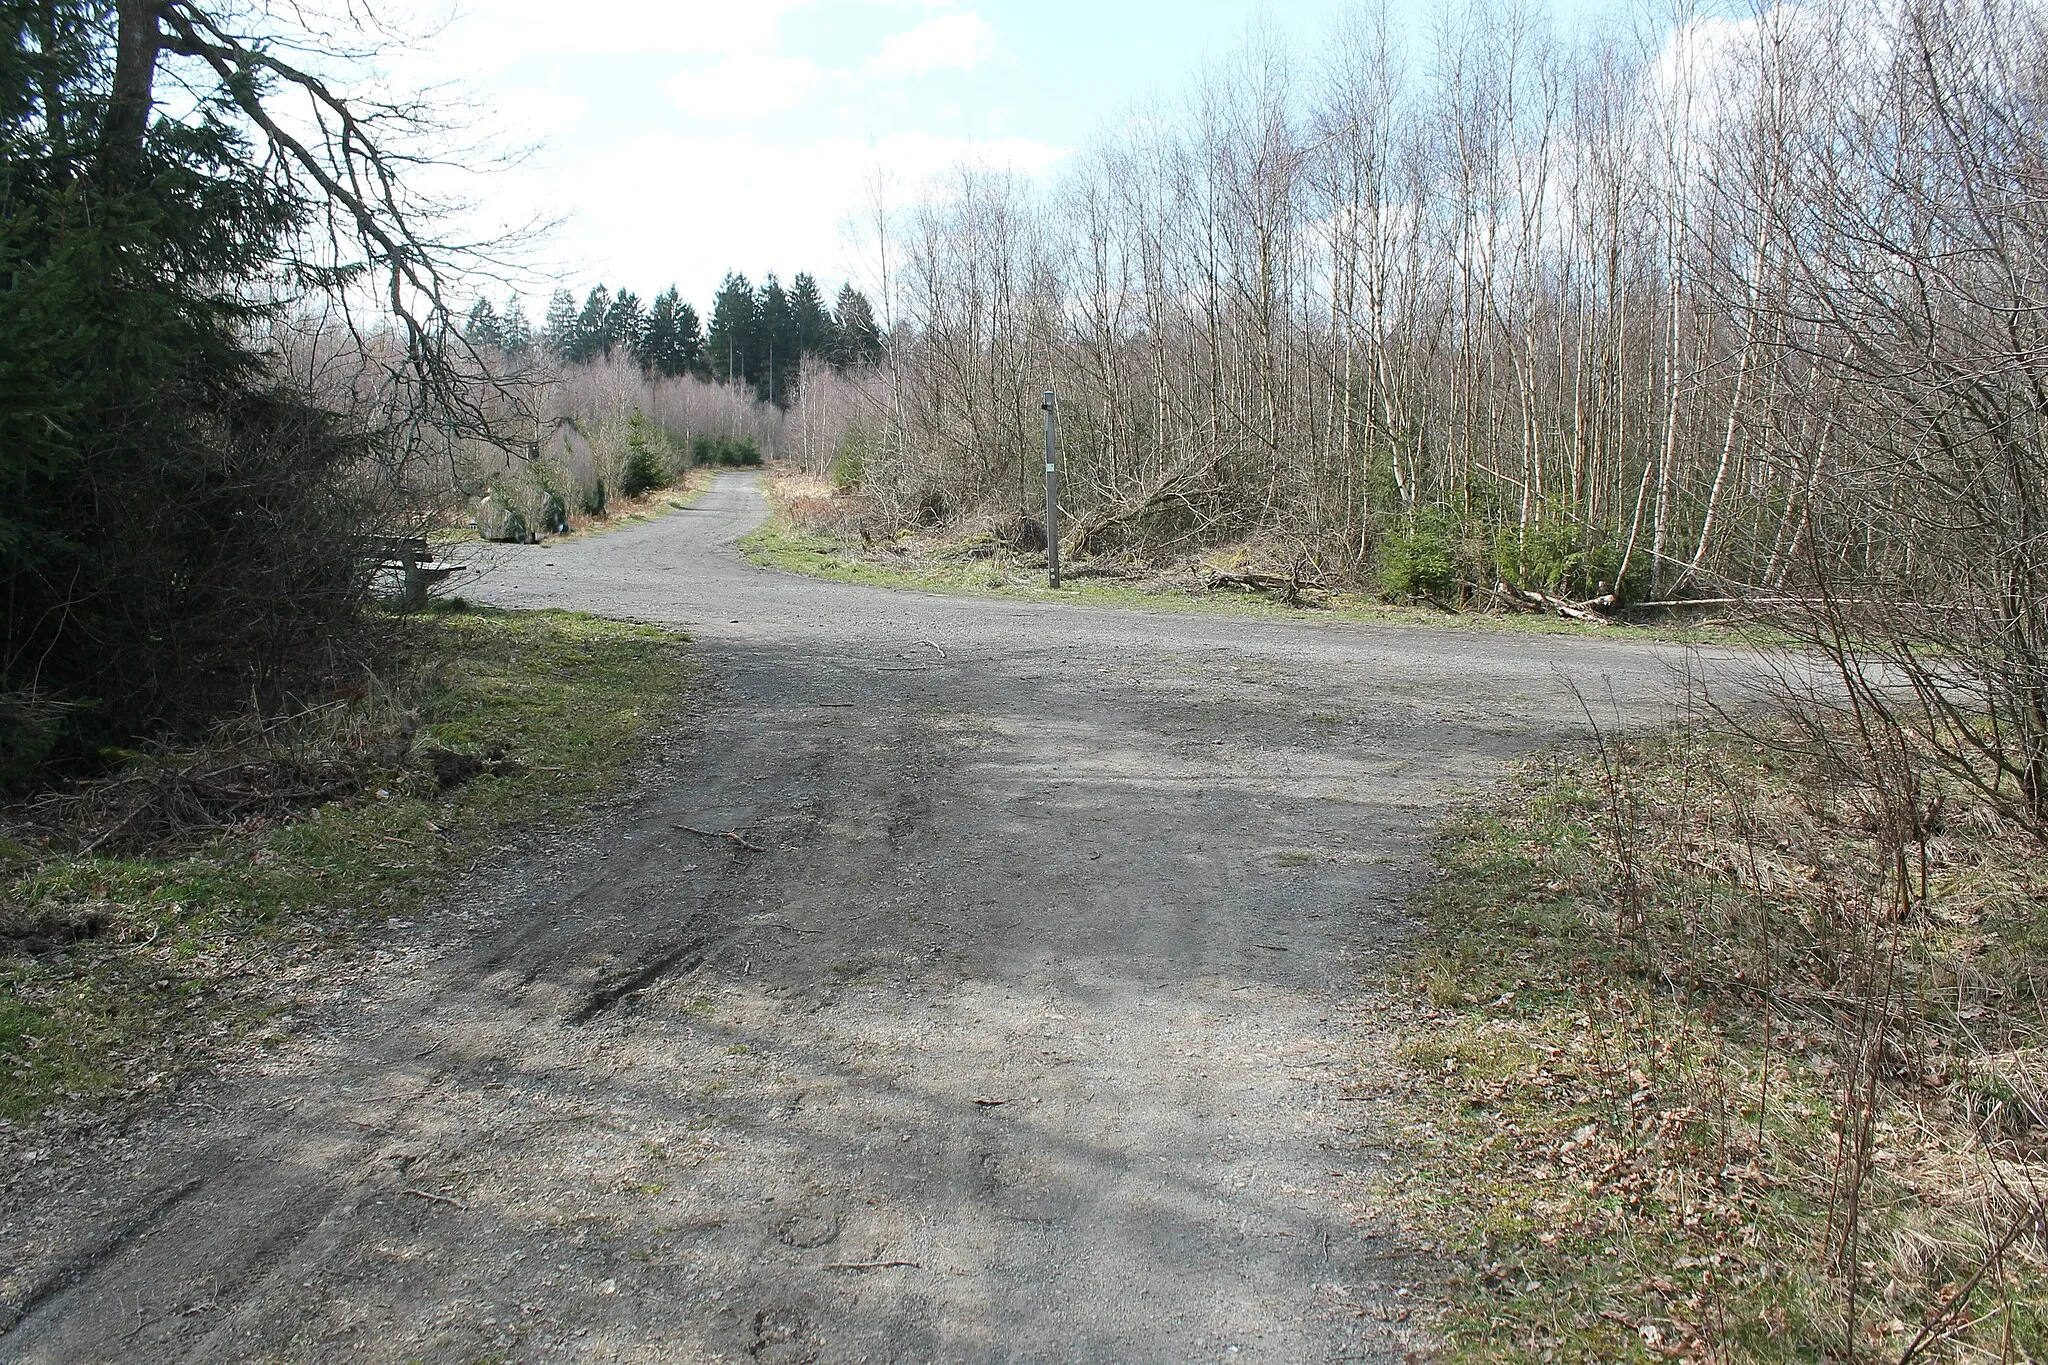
(776, 332)
(816, 334)
(732, 347)
(483, 329)
(625, 325)
(558, 331)
(593, 337)
(759, 337)
(517, 336)
(690, 340)
(860, 339)
(673, 344)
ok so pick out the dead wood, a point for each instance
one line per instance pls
(742, 840)
(1293, 589)
(1588, 611)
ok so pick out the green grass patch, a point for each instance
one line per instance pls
(125, 964)
(1641, 1002)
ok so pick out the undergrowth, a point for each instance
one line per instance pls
(1695, 1082)
(810, 535)
(150, 915)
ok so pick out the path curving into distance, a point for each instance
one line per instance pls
(1041, 1028)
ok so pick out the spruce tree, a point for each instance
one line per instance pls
(593, 328)
(735, 315)
(658, 341)
(483, 330)
(674, 343)
(181, 515)
(625, 325)
(558, 333)
(815, 333)
(860, 339)
(518, 336)
(690, 342)
(777, 332)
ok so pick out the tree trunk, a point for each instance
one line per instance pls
(138, 41)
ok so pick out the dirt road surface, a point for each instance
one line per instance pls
(1031, 1016)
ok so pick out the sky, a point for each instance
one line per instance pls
(677, 140)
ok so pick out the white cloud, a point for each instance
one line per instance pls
(750, 152)
(743, 87)
(490, 36)
(531, 112)
(686, 207)
(951, 40)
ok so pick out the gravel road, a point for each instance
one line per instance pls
(1031, 1016)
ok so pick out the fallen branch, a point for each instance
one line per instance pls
(438, 1198)
(1577, 611)
(872, 1265)
(742, 840)
(1292, 588)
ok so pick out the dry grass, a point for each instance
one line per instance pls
(824, 533)
(1686, 1083)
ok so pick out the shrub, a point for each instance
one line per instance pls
(850, 462)
(30, 728)
(727, 451)
(1418, 563)
(554, 514)
(591, 498)
(649, 458)
(1568, 559)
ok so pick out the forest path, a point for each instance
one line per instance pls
(1030, 1018)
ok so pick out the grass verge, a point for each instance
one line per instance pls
(134, 941)
(1680, 1086)
(980, 567)
(685, 492)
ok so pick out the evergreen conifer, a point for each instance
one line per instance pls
(593, 336)
(690, 342)
(860, 339)
(517, 334)
(625, 325)
(776, 331)
(483, 330)
(558, 332)
(735, 315)
(815, 332)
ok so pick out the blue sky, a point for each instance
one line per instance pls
(684, 139)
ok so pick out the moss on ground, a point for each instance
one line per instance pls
(185, 944)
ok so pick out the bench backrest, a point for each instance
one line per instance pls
(409, 548)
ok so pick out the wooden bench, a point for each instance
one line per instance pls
(418, 571)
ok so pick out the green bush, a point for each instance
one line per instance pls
(850, 462)
(727, 451)
(650, 458)
(849, 470)
(30, 729)
(591, 498)
(1418, 563)
(1568, 559)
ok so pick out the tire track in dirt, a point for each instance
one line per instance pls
(1042, 1027)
